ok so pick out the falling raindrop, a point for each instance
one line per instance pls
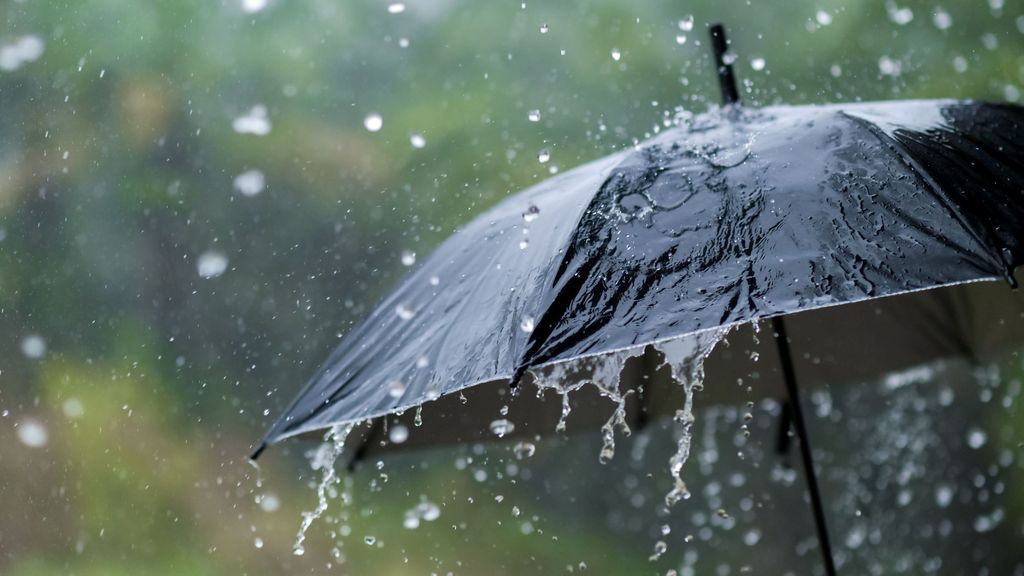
(942, 19)
(33, 346)
(533, 115)
(524, 450)
(543, 156)
(417, 141)
(396, 8)
(899, 16)
(680, 39)
(370, 540)
(501, 427)
(757, 64)
(250, 182)
(543, 28)
(823, 18)
(616, 55)
(659, 548)
(686, 24)
(252, 6)
(976, 438)
(22, 51)
(211, 264)
(408, 258)
(254, 122)
(72, 408)
(373, 122)
(33, 433)
(398, 434)
(258, 542)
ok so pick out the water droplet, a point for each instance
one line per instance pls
(680, 39)
(253, 6)
(823, 18)
(543, 156)
(33, 346)
(408, 257)
(527, 325)
(757, 64)
(398, 434)
(211, 264)
(396, 8)
(943, 495)
(501, 427)
(524, 243)
(942, 19)
(524, 450)
(434, 280)
(616, 55)
(250, 183)
(686, 24)
(298, 550)
(370, 540)
(258, 542)
(666, 529)
(889, 67)
(373, 122)
(404, 311)
(729, 57)
(976, 438)
(254, 122)
(422, 362)
(900, 16)
(72, 408)
(417, 141)
(403, 42)
(396, 388)
(533, 115)
(515, 511)
(531, 213)
(269, 502)
(659, 548)
(21, 51)
(33, 433)
(543, 28)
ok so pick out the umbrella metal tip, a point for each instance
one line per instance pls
(259, 450)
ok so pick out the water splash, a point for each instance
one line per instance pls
(685, 357)
(323, 460)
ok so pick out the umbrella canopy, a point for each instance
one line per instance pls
(726, 218)
(723, 219)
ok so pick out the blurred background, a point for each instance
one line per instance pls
(198, 199)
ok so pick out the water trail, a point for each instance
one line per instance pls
(323, 460)
(604, 375)
(685, 357)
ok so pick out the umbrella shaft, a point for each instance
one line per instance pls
(786, 360)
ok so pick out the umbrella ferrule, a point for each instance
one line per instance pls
(726, 79)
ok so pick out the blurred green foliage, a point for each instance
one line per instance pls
(117, 161)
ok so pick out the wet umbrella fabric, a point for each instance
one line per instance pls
(729, 217)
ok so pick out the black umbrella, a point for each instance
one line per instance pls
(729, 217)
